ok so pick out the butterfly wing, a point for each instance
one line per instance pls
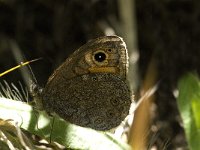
(99, 101)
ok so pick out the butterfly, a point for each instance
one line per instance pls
(90, 88)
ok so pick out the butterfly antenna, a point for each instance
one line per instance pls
(33, 78)
(27, 73)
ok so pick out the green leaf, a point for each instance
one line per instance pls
(189, 106)
(69, 135)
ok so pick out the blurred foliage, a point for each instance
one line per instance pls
(189, 106)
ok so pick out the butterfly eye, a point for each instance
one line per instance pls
(100, 56)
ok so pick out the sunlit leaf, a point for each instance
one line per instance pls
(69, 135)
(189, 106)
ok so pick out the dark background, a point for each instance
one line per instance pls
(167, 29)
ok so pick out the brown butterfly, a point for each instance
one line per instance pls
(90, 89)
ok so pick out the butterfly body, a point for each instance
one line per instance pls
(89, 89)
